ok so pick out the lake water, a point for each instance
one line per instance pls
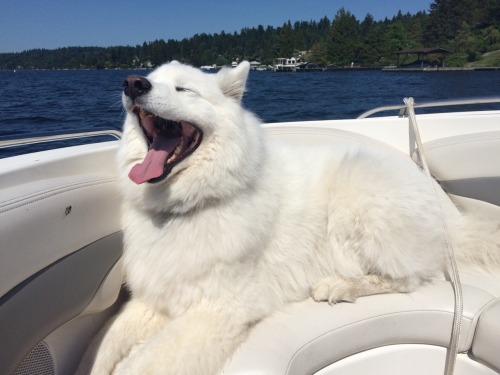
(40, 101)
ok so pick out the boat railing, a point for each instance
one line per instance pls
(18, 141)
(442, 103)
(13, 141)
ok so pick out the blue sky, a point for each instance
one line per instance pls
(28, 24)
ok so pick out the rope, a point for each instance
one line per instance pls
(455, 279)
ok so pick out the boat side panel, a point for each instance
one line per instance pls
(52, 297)
(53, 207)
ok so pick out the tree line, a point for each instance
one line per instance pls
(468, 28)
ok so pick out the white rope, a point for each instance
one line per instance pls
(455, 278)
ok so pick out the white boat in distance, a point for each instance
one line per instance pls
(61, 247)
(283, 64)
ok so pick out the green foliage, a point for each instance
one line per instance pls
(488, 59)
(343, 42)
(469, 28)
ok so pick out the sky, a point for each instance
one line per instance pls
(50, 24)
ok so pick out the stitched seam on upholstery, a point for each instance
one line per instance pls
(48, 193)
(368, 319)
(51, 189)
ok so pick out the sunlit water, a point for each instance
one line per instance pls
(41, 101)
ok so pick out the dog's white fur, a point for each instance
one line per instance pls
(244, 226)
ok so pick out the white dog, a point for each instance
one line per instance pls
(221, 227)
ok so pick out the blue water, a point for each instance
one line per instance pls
(40, 101)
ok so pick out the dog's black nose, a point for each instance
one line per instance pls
(134, 86)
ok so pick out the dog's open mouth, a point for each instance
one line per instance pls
(169, 142)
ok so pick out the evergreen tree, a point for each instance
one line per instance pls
(466, 27)
(374, 44)
(343, 41)
(285, 45)
(446, 18)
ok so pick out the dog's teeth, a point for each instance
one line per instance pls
(179, 147)
(177, 151)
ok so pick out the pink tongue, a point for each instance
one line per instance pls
(153, 163)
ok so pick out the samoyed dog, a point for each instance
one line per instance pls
(222, 227)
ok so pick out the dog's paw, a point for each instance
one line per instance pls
(334, 290)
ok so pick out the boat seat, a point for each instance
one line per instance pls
(60, 245)
(486, 344)
(308, 336)
(472, 182)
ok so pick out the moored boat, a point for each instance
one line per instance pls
(292, 64)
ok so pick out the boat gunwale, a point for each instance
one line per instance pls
(440, 103)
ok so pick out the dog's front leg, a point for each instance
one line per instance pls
(123, 334)
(198, 342)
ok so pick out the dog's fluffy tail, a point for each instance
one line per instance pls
(476, 243)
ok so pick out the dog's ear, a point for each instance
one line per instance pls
(232, 81)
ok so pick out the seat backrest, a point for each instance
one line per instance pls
(468, 169)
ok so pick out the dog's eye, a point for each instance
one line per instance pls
(181, 89)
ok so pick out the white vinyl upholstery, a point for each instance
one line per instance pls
(464, 156)
(60, 247)
(51, 205)
(309, 336)
(486, 345)
(468, 167)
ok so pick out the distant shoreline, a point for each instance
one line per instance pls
(339, 69)
(441, 69)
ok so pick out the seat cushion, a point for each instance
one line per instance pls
(308, 336)
(486, 345)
